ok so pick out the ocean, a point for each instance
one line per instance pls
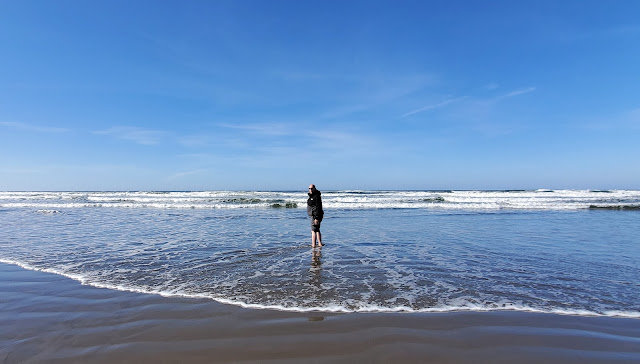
(571, 252)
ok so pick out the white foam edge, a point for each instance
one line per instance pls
(330, 309)
(339, 206)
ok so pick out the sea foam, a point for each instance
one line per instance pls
(454, 200)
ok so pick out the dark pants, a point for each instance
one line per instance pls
(315, 228)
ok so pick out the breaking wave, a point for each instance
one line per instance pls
(454, 200)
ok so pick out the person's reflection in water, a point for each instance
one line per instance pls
(315, 278)
(316, 268)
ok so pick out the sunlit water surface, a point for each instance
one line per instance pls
(576, 261)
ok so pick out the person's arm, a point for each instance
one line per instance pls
(319, 210)
(315, 210)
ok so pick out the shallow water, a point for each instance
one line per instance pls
(575, 261)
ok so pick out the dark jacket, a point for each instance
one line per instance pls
(314, 205)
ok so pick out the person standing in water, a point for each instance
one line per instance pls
(314, 209)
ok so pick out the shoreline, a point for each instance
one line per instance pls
(321, 310)
(45, 317)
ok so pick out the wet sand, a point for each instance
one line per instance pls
(49, 318)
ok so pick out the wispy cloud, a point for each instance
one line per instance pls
(491, 86)
(32, 128)
(305, 76)
(342, 111)
(14, 171)
(623, 30)
(134, 134)
(187, 173)
(627, 120)
(284, 142)
(197, 140)
(516, 93)
(618, 31)
(633, 119)
(273, 129)
(434, 106)
(276, 129)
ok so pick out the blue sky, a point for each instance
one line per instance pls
(210, 95)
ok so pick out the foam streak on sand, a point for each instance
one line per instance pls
(48, 318)
(328, 309)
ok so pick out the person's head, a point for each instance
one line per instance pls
(312, 188)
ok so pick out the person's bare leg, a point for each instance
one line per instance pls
(313, 239)
(319, 236)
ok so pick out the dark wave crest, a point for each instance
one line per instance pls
(615, 207)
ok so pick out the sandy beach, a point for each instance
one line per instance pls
(50, 318)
